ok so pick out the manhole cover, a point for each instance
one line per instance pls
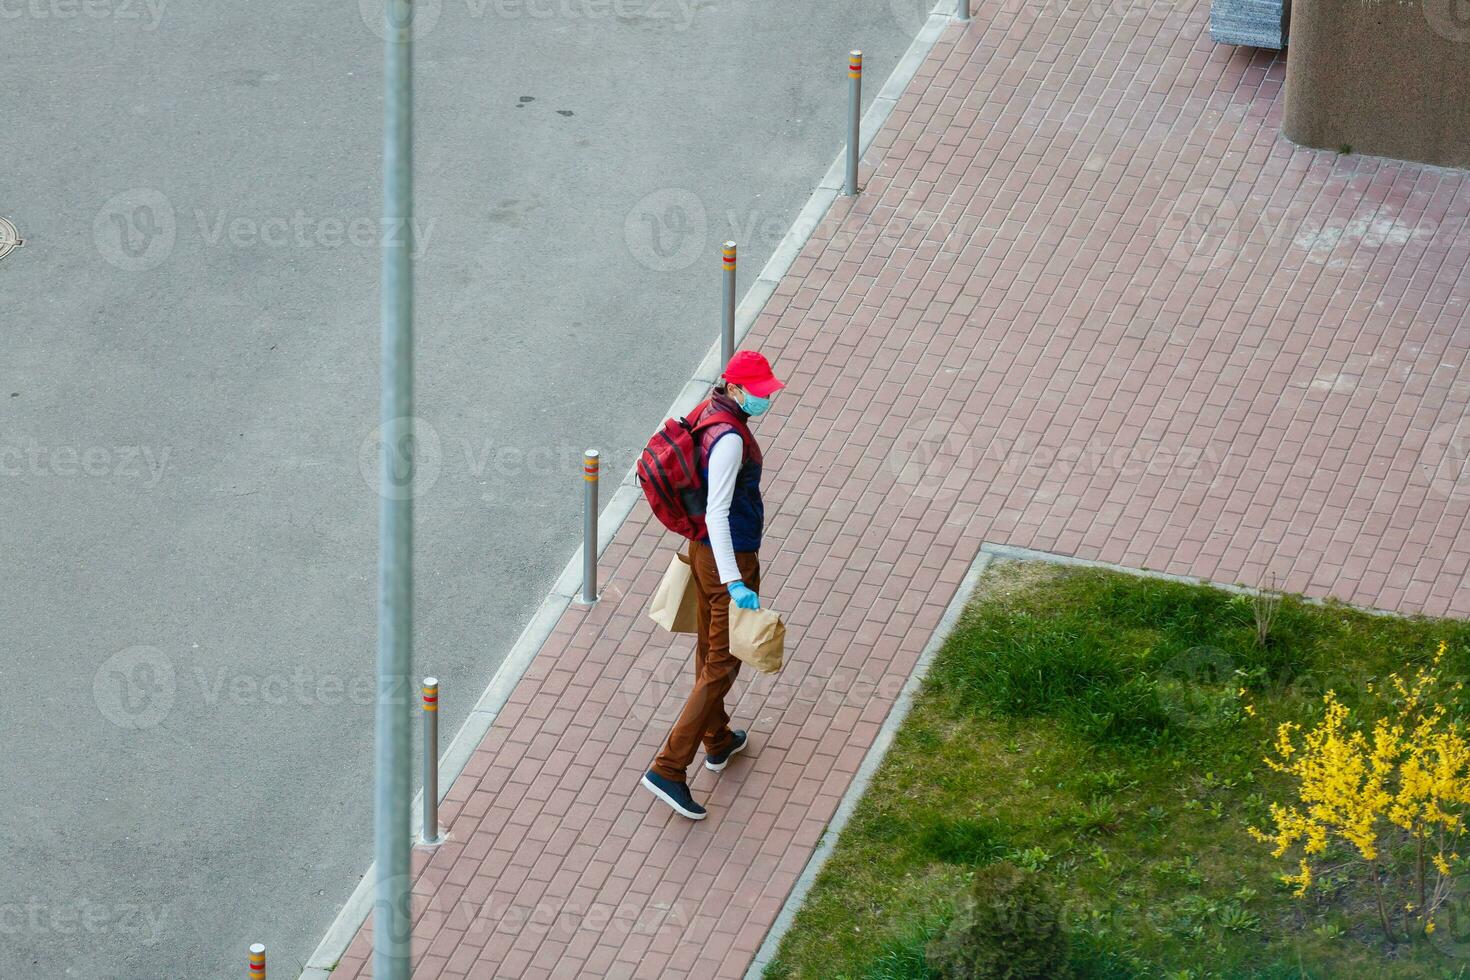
(9, 238)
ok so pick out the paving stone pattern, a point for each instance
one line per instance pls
(1090, 301)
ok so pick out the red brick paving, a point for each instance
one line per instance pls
(1090, 302)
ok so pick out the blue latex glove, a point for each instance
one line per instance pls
(744, 598)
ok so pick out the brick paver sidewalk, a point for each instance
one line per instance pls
(1090, 302)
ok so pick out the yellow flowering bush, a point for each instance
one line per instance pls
(1395, 796)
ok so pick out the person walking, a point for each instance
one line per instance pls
(726, 568)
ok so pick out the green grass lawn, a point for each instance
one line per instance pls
(1089, 726)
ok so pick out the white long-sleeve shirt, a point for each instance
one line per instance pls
(724, 464)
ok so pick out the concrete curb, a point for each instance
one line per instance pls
(452, 762)
(1011, 553)
(874, 758)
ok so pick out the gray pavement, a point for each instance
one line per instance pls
(188, 401)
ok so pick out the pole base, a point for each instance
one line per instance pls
(579, 600)
(426, 842)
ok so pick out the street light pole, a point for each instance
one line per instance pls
(392, 921)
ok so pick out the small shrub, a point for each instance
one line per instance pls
(1104, 782)
(1278, 637)
(1395, 797)
(1265, 604)
(1099, 816)
(1032, 858)
(1009, 928)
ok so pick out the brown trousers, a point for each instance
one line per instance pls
(704, 717)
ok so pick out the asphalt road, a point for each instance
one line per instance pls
(188, 399)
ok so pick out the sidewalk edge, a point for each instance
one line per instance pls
(1014, 553)
(472, 732)
(871, 761)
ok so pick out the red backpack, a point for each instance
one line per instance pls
(670, 472)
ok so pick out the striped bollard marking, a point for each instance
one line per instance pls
(255, 968)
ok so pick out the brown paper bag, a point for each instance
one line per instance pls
(675, 600)
(758, 637)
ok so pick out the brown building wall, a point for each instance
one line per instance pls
(1385, 77)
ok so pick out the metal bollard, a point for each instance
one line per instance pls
(962, 9)
(431, 761)
(589, 527)
(854, 117)
(727, 323)
(255, 970)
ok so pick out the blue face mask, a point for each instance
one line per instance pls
(754, 406)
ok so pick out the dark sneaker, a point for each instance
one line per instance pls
(676, 795)
(715, 763)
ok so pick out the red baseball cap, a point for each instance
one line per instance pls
(751, 371)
